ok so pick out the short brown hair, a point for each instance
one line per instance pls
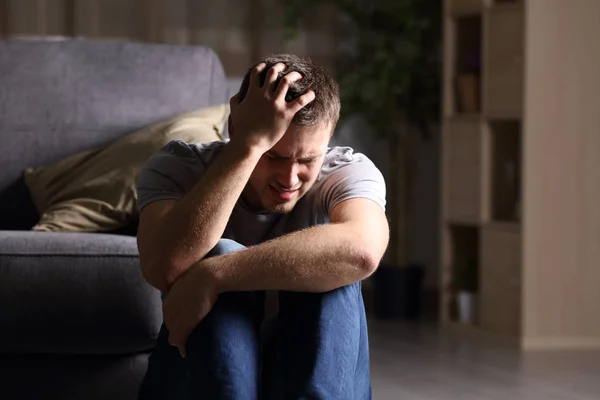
(324, 109)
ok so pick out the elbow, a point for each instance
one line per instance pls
(371, 251)
(162, 273)
(365, 257)
(374, 262)
(157, 276)
(368, 263)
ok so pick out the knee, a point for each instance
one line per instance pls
(346, 294)
(353, 291)
(349, 295)
(225, 246)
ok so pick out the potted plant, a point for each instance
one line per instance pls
(465, 283)
(389, 73)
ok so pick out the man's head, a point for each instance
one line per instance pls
(286, 172)
(324, 109)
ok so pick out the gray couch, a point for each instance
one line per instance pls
(77, 320)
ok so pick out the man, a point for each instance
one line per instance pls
(272, 209)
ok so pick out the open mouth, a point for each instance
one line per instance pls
(283, 194)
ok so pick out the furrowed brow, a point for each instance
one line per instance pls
(276, 154)
(302, 157)
(309, 156)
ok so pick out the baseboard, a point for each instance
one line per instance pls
(561, 343)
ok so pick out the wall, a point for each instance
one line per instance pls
(561, 282)
(240, 31)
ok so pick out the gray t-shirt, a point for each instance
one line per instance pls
(175, 170)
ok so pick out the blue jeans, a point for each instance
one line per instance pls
(318, 349)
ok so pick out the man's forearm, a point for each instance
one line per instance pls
(317, 259)
(196, 223)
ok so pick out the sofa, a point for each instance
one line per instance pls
(77, 319)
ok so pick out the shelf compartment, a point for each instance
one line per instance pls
(505, 170)
(462, 266)
(467, 64)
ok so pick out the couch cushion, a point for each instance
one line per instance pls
(59, 98)
(95, 190)
(74, 293)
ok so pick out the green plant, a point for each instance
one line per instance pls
(389, 74)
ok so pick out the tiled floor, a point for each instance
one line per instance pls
(421, 362)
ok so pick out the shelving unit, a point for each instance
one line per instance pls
(520, 161)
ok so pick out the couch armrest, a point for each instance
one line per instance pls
(74, 293)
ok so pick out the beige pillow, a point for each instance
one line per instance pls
(94, 191)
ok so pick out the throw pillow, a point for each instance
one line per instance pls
(94, 191)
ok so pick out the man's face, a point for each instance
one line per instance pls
(286, 172)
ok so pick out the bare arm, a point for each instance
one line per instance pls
(193, 225)
(317, 259)
(173, 235)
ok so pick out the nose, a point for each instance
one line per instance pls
(287, 176)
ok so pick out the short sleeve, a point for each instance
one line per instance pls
(169, 174)
(357, 179)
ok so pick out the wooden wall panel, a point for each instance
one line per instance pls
(562, 174)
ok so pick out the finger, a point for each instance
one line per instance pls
(302, 101)
(184, 335)
(272, 75)
(284, 85)
(181, 350)
(255, 75)
(175, 341)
